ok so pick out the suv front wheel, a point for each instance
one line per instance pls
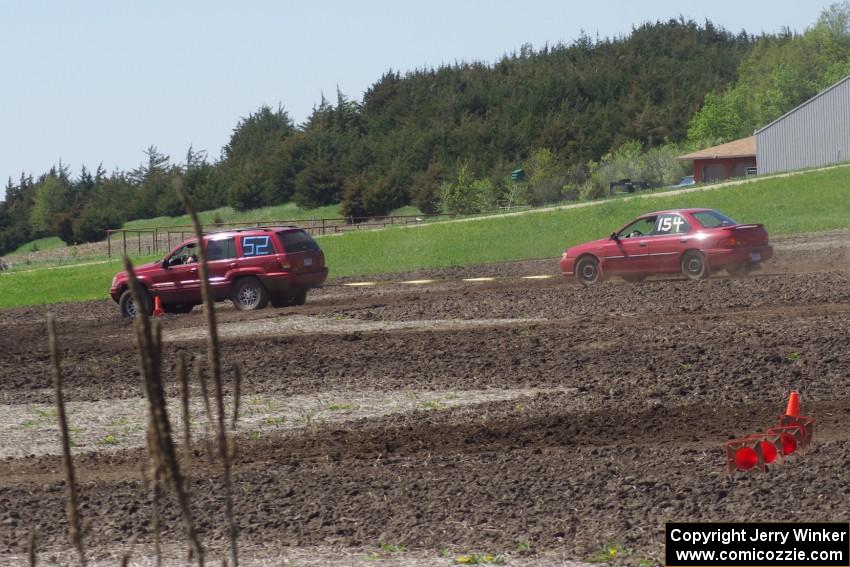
(249, 294)
(128, 307)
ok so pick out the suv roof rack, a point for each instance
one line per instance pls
(250, 228)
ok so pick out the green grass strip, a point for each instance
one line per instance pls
(809, 202)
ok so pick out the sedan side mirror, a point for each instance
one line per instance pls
(165, 263)
(614, 236)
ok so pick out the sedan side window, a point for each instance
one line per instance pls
(641, 227)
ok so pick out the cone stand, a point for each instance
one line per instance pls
(793, 434)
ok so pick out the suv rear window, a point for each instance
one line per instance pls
(297, 241)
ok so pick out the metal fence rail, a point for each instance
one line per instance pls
(161, 237)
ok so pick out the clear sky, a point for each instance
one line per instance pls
(94, 81)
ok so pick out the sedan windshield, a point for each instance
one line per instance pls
(713, 219)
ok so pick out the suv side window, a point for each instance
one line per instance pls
(257, 246)
(221, 249)
(671, 224)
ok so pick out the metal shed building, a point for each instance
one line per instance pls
(815, 133)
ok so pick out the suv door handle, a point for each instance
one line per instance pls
(683, 240)
(231, 265)
(642, 244)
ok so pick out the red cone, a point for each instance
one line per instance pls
(158, 312)
(793, 409)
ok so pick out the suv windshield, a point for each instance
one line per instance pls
(297, 241)
(713, 219)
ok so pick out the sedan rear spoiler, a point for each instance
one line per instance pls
(743, 226)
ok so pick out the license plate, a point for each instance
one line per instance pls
(308, 261)
(755, 257)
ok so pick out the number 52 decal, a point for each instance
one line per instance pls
(255, 246)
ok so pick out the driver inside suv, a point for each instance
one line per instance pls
(186, 255)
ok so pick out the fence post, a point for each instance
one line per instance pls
(108, 244)
(124, 234)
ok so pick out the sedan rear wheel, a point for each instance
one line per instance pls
(694, 266)
(587, 271)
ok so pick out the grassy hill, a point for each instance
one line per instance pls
(807, 202)
(288, 211)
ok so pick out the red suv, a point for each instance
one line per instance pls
(250, 267)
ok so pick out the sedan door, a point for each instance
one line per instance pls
(670, 238)
(625, 256)
(628, 253)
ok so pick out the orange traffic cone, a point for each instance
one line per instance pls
(158, 312)
(793, 409)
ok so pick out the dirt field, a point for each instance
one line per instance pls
(528, 418)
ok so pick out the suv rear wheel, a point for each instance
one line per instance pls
(128, 307)
(249, 294)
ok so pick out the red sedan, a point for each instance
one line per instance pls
(694, 242)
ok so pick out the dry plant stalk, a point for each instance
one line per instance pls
(214, 362)
(31, 547)
(183, 378)
(237, 387)
(156, 498)
(125, 558)
(74, 531)
(201, 378)
(161, 444)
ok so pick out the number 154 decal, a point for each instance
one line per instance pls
(665, 224)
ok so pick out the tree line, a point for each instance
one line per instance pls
(573, 115)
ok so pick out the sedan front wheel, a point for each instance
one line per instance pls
(587, 271)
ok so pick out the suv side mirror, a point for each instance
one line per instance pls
(165, 263)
